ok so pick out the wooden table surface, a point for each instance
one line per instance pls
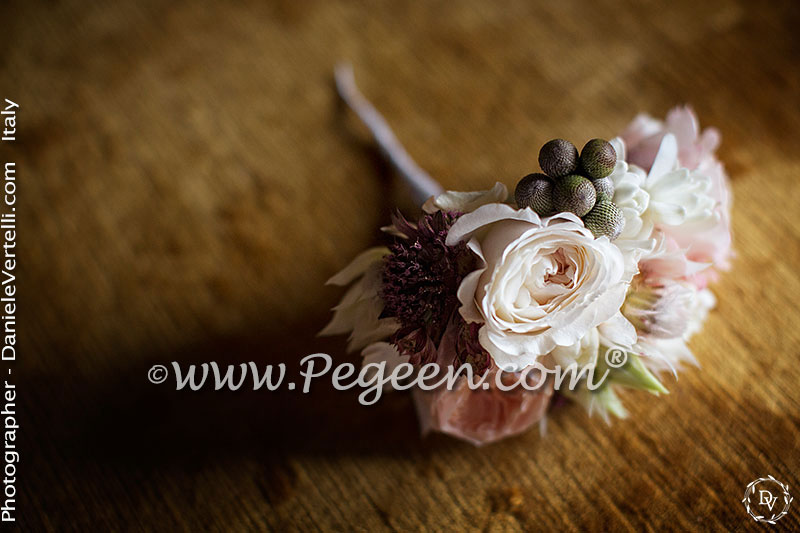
(187, 183)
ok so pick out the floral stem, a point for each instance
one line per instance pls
(421, 184)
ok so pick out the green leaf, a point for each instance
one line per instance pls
(633, 374)
(603, 401)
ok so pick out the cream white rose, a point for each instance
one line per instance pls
(541, 283)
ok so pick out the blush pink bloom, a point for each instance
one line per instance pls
(643, 138)
(696, 150)
(481, 416)
(478, 416)
(672, 264)
(714, 245)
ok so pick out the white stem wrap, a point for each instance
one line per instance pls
(421, 184)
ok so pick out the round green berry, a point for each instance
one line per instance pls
(558, 158)
(535, 191)
(604, 186)
(598, 159)
(603, 197)
(575, 194)
(605, 218)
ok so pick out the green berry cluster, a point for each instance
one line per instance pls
(575, 183)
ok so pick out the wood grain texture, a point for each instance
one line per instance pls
(188, 183)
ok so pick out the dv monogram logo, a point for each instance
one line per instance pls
(767, 498)
(769, 491)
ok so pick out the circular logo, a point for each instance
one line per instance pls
(767, 499)
(616, 357)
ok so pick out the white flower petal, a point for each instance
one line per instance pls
(466, 292)
(485, 215)
(666, 158)
(466, 202)
(618, 331)
(359, 310)
(358, 266)
(581, 353)
(382, 352)
(619, 147)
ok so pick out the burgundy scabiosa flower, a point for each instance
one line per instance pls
(422, 274)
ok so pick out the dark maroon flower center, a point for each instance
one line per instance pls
(422, 274)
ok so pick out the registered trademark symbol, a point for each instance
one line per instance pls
(616, 358)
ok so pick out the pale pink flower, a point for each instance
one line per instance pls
(715, 244)
(659, 310)
(670, 262)
(482, 416)
(695, 152)
(643, 138)
(667, 306)
(671, 353)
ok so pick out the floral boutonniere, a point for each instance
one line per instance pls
(600, 259)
